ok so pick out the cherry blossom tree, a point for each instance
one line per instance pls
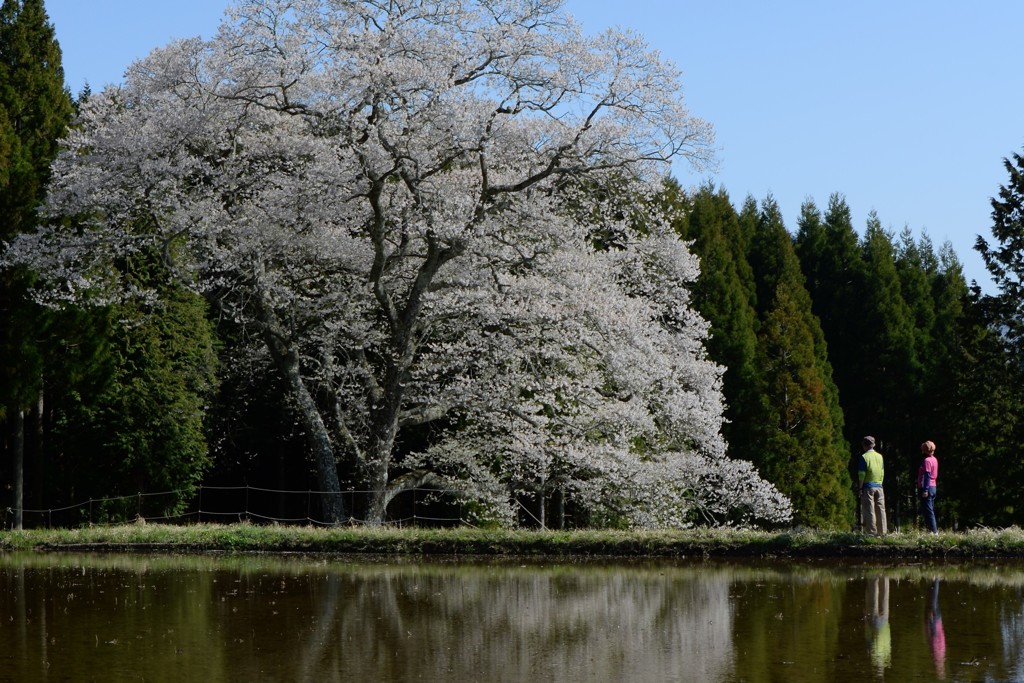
(398, 200)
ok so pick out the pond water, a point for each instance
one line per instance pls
(69, 617)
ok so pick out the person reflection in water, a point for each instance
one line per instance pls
(879, 637)
(936, 634)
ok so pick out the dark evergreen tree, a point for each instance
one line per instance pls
(100, 402)
(935, 291)
(724, 296)
(810, 246)
(833, 265)
(750, 216)
(949, 371)
(35, 110)
(1005, 260)
(990, 416)
(883, 393)
(981, 467)
(141, 429)
(802, 448)
(913, 260)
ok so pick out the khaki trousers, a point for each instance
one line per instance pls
(872, 510)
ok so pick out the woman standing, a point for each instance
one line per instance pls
(927, 473)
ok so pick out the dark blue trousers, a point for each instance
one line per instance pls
(928, 508)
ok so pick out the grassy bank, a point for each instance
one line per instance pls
(468, 541)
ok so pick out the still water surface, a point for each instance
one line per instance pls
(244, 618)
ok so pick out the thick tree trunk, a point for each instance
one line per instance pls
(331, 503)
(377, 506)
(381, 496)
(402, 324)
(386, 431)
(379, 462)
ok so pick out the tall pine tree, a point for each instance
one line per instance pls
(35, 110)
(982, 465)
(889, 370)
(915, 267)
(723, 294)
(802, 449)
(98, 402)
(1005, 260)
(832, 261)
(990, 419)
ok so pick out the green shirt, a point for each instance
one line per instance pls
(872, 468)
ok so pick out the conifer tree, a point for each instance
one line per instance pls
(35, 109)
(883, 396)
(986, 423)
(723, 294)
(949, 370)
(802, 449)
(1005, 260)
(114, 396)
(934, 289)
(750, 216)
(142, 427)
(912, 260)
(990, 419)
(833, 264)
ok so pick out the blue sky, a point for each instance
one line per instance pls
(907, 108)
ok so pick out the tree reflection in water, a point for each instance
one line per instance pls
(511, 623)
(296, 619)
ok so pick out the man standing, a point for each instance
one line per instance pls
(870, 472)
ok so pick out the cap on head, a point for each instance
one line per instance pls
(868, 442)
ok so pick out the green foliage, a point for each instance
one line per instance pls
(883, 402)
(117, 395)
(803, 452)
(724, 296)
(986, 422)
(1005, 260)
(891, 315)
(988, 372)
(935, 292)
(35, 110)
(143, 429)
(833, 266)
(915, 268)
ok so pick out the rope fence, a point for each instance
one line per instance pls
(226, 504)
